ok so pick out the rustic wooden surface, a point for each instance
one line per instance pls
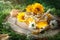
(20, 30)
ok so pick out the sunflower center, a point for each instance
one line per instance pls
(38, 9)
(23, 17)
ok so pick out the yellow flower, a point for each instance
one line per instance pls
(49, 16)
(37, 8)
(42, 24)
(29, 8)
(29, 20)
(20, 17)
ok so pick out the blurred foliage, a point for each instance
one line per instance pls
(56, 37)
(6, 7)
(53, 3)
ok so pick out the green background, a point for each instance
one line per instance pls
(6, 7)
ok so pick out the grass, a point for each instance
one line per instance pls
(5, 8)
(5, 28)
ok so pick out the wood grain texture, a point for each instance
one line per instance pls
(22, 30)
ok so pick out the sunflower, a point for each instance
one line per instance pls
(20, 17)
(29, 8)
(37, 8)
(42, 24)
(28, 20)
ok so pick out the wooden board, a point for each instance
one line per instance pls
(25, 31)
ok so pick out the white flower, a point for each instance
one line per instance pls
(53, 23)
(32, 25)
